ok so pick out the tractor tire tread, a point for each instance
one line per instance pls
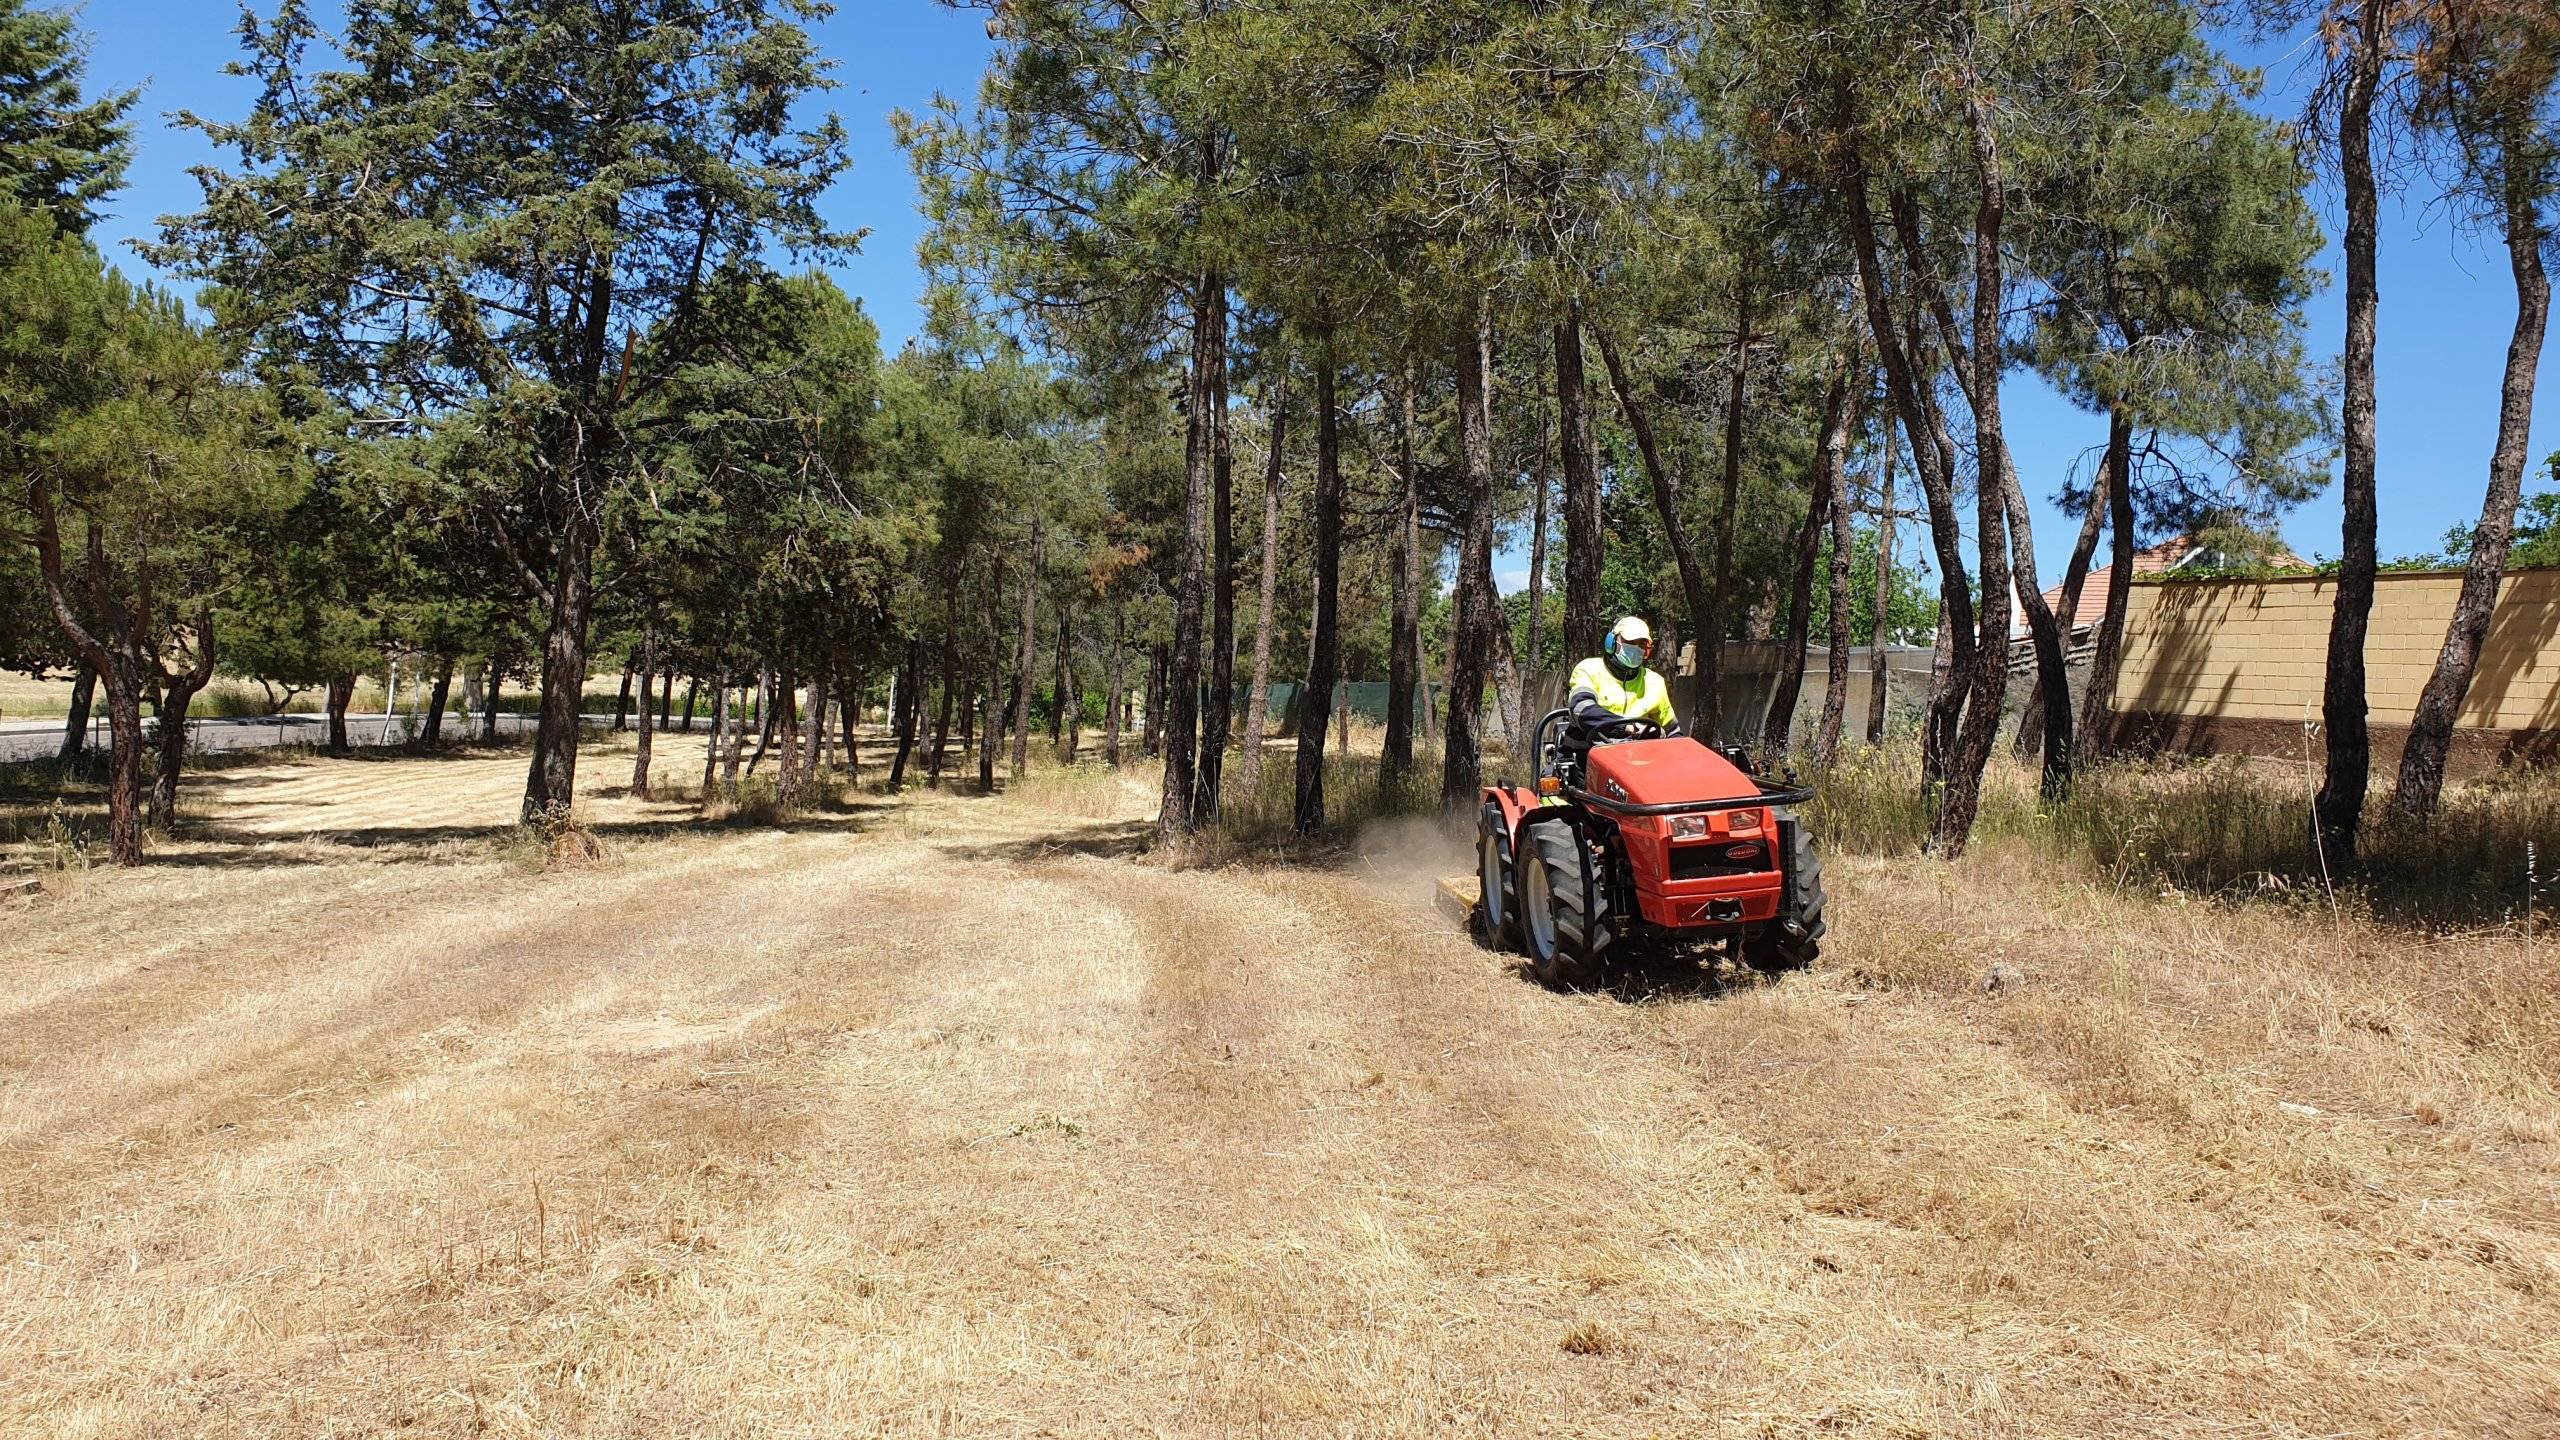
(1591, 934)
(1774, 951)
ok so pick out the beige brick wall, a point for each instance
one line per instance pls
(2258, 649)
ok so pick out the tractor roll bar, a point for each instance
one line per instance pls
(1767, 796)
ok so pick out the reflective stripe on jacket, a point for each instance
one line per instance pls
(1644, 698)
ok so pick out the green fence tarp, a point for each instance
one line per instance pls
(1367, 699)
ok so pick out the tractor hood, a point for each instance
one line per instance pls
(1664, 772)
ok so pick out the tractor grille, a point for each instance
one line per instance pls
(1720, 857)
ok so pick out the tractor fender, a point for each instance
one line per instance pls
(1513, 803)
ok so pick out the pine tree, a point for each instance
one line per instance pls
(522, 192)
(59, 153)
(2489, 73)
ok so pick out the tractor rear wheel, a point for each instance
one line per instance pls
(1493, 878)
(1567, 948)
(1793, 941)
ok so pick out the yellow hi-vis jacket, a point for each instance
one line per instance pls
(1646, 697)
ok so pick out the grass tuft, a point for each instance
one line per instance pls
(555, 839)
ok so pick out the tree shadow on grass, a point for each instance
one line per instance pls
(1103, 839)
(1676, 977)
(222, 847)
(1659, 981)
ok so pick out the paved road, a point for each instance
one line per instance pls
(22, 740)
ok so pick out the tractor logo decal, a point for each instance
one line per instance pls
(1614, 788)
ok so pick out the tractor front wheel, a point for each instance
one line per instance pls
(1493, 878)
(1567, 944)
(1794, 940)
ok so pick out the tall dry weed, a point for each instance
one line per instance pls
(1262, 815)
(2226, 827)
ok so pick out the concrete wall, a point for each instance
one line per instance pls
(2237, 665)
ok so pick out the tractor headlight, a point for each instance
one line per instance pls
(1688, 827)
(1745, 822)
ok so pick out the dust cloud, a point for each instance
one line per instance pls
(1405, 858)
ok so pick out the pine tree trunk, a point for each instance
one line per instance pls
(2338, 809)
(177, 692)
(1962, 798)
(1026, 660)
(1178, 732)
(1257, 709)
(489, 703)
(1476, 613)
(848, 715)
(1668, 506)
(1978, 376)
(1070, 687)
(1058, 683)
(950, 689)
(1795, 642)
(1404, 642)
(75, 725)
(1835, 680)
(1951, 685)
(906, 713)
(1583, 542)
(734, 753)
(1158, 682)
(1508, 684)
(764, 717)
(640, 755)
(1324, 652)
(342, 691)
(991, 700)
(622, 700)
(1879, 663)
(124, 761)
(2097, 703)
(818, 732)
(1115, 710)
(2075, 578)
(437, 698)
(692, 690)
(2422, 759)
(1931, 455)
(1535, 663)
(1839, 417)
(719, 733)
(786, 728)
(551, 783)
(1217, 718)
(1716, 622)
(1158, 672)
(2045, 634)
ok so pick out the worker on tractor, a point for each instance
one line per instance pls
(1614, 694)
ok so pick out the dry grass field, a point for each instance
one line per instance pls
(948, 1115)
(23, 697)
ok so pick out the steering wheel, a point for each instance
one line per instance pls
(1633, 730)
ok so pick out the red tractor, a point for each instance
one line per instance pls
(1637, 842)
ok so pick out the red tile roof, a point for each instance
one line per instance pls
(2154, 561)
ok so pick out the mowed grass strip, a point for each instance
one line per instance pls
(955, 1114)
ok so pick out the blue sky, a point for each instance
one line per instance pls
(2446, 301)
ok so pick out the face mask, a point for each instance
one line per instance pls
(1628, 655)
